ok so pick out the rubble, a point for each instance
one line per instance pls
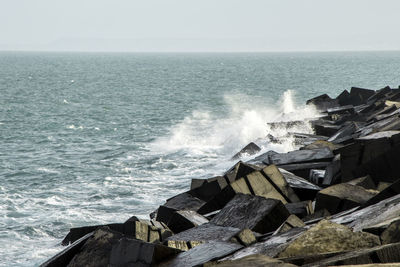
(333, 201)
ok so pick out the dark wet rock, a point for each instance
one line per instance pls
(256, 260)
(182, 220)
(300, 209)
(131, 252)
(263, 158)
(316, 216)
(202, 254)
(256, 213)
(135, 228)
(248, 150)
(183, 201)
(329, 237)
(97, 249)
(323, 102)
(383, 212)
(65, 256)
(325, 128)
(382, 186)
(383, 168)
(209, 188)
(379, 94)
(341, 110)
(360, 96)
(291, 222)
(302, 156)
(268, 183)
(381, 254)
(303, 169)
(206, 232)
(342, 197)
(365, 150)
(332, 172)
(304, 189)
(345, 133)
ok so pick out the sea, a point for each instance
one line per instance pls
(95, 138)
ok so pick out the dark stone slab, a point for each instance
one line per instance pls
(263, 158)
(332, 172)
(383, 168)
(65, 256)
(256, 260)
(131, 252)
(381, 254)
(182, 220)
(291, 222)
(206, 232)
(323, 102)
(202, 254)
(392, 233)
(302, 156)
(97, 249)
(346, 131)
(341, 110)
(360, 96)
(379, 94)
(248, 150)
(304, 189)
(209, 188)
(256, 213)
(303, 169)
(133, 227)
(183, 201)
(268, 183)
(342, 197)
(325, 128)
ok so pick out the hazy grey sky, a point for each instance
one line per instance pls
(203, 25)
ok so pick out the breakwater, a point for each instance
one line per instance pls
(333, 201)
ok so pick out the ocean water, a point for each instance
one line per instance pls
(92, 138)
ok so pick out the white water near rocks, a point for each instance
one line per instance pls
(132, 130)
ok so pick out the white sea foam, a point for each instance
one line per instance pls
(205, 133)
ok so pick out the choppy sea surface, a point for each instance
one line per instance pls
(93, 138)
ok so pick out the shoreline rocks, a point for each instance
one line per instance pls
(333, 201)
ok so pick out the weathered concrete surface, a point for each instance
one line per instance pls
(342, 197)
(392, 233)
(256, 260)
(206, 232)
(182, 220)
(256, 213)
(201, 254)
(300, 209)
(302, 156)
(131, 252)
(329, 237)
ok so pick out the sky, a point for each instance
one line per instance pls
(199, 26)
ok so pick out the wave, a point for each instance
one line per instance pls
(208, 134)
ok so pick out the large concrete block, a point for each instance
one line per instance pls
(256, 213)
(300, 209)
(131, 252)
(291, 222)
(239, 170)
(248, 150)
(323, 102)
(388, 192)
(304, 189)
(133, 228)
(202, 254)
(256, 260)
(302, 156)
(206, 232)
(342, 197)
(327, 237)
(182, 220)
(183, 201)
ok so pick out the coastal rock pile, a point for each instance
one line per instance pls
(334, 201)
